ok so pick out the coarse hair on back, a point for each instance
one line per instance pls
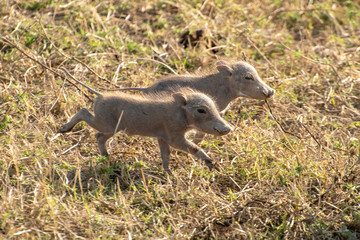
(156, 96)
(172, 90)
(210, 69)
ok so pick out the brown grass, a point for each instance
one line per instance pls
(292, 173)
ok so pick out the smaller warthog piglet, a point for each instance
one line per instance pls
(167, 118)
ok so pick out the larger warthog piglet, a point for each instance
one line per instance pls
(228, 82)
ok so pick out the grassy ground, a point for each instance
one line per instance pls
(290, 174)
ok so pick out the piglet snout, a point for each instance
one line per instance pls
(222, 128)
(269, 93)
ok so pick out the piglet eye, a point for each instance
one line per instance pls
(201, 110)
(249, 77)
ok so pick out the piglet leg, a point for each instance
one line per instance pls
(101, 140)
(82, 115)
(165, 154)
(182, 144)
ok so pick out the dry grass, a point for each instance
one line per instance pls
(297, 178)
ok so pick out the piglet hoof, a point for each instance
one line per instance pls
(105, 154)
(168, 172)
(212, 166)
(64, 128)
(216, 166)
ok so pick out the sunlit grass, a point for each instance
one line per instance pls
(290, 174)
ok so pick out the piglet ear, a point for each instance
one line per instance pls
(180, 98)
(220, 62)
(223, 68)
